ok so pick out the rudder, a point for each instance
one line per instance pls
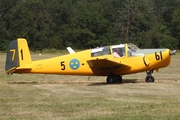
(18, 55)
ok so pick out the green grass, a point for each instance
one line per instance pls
(30, 96)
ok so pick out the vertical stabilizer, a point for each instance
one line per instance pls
(18, 55)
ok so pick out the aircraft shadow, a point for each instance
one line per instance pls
(93, 83)
(22, 82)
(125, 81)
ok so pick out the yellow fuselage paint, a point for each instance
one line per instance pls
(76, 64)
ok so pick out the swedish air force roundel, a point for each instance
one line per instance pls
(74, 64)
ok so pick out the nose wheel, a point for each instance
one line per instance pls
(114, 79)
(149, 78)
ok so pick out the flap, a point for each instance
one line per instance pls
(106, 67)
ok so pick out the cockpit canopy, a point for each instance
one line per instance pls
(100, 51)
(132, 47)
(120, 49)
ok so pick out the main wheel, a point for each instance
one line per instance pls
(110, 79)
(149, 79)
(118, 78)
(114, 79)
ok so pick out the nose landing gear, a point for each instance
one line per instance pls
(149, 78)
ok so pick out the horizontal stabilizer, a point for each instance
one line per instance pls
(23, 68)
(10, 71)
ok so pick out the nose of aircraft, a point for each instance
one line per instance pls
(172, 52)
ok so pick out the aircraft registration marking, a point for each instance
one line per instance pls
(13, 54)
(74, 64)
(62, 65)
(158, 55)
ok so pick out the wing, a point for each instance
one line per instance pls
(106, 67)
(70, 50)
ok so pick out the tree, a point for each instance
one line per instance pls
(176, 25)
(90, 23)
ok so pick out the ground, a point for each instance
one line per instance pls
(31, 96)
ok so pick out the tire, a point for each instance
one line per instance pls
(118, 78)
(110, 79)
(149, 79)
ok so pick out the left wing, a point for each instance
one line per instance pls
(70, 50)
(105, 66)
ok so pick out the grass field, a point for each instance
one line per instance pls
(30, 96)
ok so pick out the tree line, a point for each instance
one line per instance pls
(84, 24)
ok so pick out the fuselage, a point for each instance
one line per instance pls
(139, 60)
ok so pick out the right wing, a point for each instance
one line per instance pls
(106, 67)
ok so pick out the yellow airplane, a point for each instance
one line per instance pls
(111, 61)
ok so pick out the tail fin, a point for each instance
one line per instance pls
(18, 55)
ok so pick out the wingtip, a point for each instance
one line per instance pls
(70, 50)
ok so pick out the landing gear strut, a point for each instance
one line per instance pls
(149, 78)
(114, 79)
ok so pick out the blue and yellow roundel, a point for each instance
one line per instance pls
(74, 64)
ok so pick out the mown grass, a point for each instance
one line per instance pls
(30, 96)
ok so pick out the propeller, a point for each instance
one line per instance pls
(172, 52)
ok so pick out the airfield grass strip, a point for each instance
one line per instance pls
(31, 96)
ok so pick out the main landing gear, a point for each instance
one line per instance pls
(149, 78)
(118, 78)
(114, 79)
